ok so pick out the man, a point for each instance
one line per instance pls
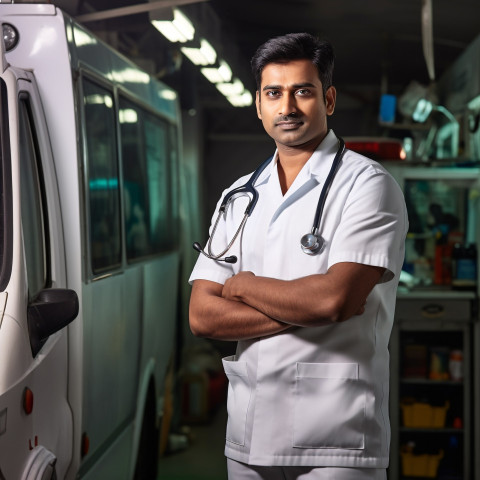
(308, 386)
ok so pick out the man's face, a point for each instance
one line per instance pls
(291, 106)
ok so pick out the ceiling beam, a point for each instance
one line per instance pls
(132, 10)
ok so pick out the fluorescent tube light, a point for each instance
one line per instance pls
(243, 100)
(212, 75)
(228, 89)
(222, 74)
(168, 30)
(208, 52)
(225, 71)
(178, 30)
(205, 55)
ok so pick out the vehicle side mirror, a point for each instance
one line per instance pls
(52, 310)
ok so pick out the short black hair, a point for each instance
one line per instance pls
(296, 46)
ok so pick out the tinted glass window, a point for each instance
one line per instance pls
(5, 191)
(147, 181)
(33, 217)
(102, 176)
(175, 192)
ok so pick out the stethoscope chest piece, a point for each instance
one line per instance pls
(312, 244)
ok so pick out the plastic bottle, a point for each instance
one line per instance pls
(464, 265)
(455, 365)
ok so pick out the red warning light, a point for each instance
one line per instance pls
(377, 148)
(27, 401)
(85, 444)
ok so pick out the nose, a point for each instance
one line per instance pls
(288, 105)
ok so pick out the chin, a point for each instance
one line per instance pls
(290, 140)
(295, 142)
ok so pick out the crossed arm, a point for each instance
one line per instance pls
(248, 306)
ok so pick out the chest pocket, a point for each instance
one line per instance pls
(329, 406)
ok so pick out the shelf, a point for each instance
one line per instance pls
(426, 381)
(432, 317)
(430, 478)
(427, 293)
(446, 430)
(406, 126)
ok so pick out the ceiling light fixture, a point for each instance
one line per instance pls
(243, 100)
(234, 88)
(180, 29)
(225, 71)
(220, 74)
(205, 55)
(176, 27)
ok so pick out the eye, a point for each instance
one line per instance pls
(303, 92)
(272, 93)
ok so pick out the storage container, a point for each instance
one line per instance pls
(423, 465)
(423, 415)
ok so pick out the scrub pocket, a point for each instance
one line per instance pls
(238, 399)
(329, 406)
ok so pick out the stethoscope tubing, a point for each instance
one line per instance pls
(326, 186)
(249, 189)
(215, 256)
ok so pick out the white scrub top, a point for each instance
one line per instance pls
(315, 396)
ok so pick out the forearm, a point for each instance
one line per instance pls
(298, 302)
(212, 316)
(309, 301)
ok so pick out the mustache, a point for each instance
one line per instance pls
(287, 118)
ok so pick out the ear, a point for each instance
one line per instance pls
(258, 105)
(330, 99)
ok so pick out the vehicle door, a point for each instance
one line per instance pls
(35, 418)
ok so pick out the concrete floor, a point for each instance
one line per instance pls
(203, 459)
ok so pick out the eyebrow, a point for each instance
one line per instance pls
(295, 86)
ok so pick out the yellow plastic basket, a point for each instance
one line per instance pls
(423, 415)
(423, 465)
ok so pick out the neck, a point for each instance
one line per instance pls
(291, 160)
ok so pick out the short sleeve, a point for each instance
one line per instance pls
(373, 224)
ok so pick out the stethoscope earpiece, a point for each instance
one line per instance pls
(311, 243)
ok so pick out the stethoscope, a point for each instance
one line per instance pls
(311, 243)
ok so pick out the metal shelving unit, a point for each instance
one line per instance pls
(431, 322)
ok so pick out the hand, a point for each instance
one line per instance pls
(234, 286)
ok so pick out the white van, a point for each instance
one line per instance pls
(89, 263)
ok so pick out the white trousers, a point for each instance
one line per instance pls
(241, 471)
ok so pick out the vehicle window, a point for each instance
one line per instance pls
(147, 181)
(5, 191)
(175, 192)
(32, 206)
(102, 175)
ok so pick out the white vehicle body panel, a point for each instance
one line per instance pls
(92, 376)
